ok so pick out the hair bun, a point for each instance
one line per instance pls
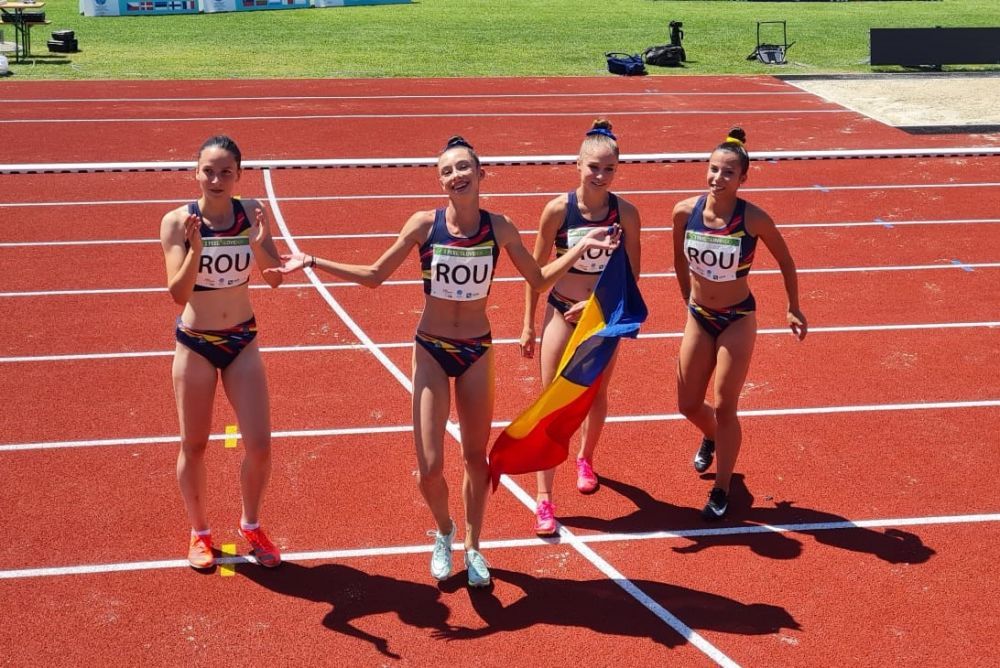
(737, 134)
(601, 124)
(457, 140)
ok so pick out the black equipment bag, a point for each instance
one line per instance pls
(664, 55)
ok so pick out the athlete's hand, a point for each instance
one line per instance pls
(797, 323)
(258, 227)
(527, 343)
(573, 313)
(192, 233)
(290, 263)
(603, 237)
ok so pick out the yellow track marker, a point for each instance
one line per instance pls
(228, 550)
(230, 436)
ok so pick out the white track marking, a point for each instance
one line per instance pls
(500, 424)
(506, 115)
(480, 96)
(781, 331)
(536, 194)
(625, 158)
(392, 235)
(345, 554)
(961, 266)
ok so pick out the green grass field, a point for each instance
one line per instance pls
(475, 38)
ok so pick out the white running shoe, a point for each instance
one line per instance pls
(441, 554)
(479, 572)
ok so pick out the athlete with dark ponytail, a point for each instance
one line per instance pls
(208, 246)
(715, 240)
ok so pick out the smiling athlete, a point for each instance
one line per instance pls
(715, 239)
(459, 245)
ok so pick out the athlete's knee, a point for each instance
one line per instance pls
(257, 453)
(726, 412)
(475, 460)
(690, 406)
(193, 448)
(432, 476)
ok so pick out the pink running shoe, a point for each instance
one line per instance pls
(586, 479)
(545, 519)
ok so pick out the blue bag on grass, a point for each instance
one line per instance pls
(625, 64)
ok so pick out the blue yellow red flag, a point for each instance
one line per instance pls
(538, 439)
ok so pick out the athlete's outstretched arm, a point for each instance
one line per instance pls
(542, 278)
(414, 232)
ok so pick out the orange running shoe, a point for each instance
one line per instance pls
(263, 550)
(200, 554)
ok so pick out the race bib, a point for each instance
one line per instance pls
(461, 274)
(593, 260)
(224, 262)
(712, 256)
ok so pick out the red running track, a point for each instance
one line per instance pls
(147, 121)
(862, 446)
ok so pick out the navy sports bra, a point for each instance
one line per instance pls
(225, 254)
(719, 254)
(459, 268)
(575, 226)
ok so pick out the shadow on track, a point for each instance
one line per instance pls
(891, 545)
(354, 594)
(602, 606)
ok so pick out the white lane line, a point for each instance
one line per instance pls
(547, 195)
(500, 424)
(526, 233)
(388, 551)
(491, 161)
(496, 114)
(471, 96)
(964, 266)
(782, 331)
(689, 634)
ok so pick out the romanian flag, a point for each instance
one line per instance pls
(539, 438)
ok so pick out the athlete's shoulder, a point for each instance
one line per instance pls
(755, 218)
(175, 216)
(685, 205)
(248, 204)
(555, 210)
(626, 207)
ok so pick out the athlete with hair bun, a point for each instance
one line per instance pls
(459, 245)
(715, 239)
(564, 221)
(208, 246)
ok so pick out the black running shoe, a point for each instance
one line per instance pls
(703, 458)
(718, 504)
